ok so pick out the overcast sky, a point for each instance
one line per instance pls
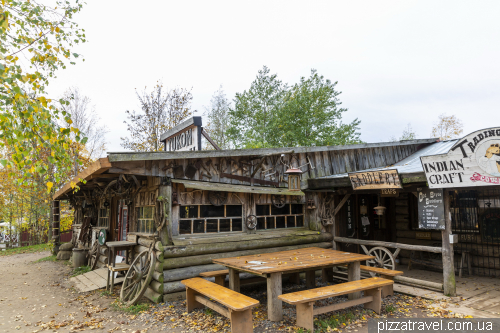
(396, 62)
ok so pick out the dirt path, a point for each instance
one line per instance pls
(36, 296)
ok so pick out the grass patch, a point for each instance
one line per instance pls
(390, 308)
(27, 249)
(335, 321)
(105, 293)
(81, 270)
(49, 258)
(133, 309)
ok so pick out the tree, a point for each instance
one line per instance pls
(254, 110)
(84, 117)
(408, 134)
(160, 112)
(218, 118)
(447, 127)
(310, 116)
(35, 42)
(273, 114)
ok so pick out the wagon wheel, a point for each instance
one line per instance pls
(383, 259)
(279, 200)
(217, 198)
(138, 277)
(251, 222)
(93, 255)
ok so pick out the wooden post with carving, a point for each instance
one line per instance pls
(56, 235)
(449, 283)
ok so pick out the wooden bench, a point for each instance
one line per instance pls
(220, 276)
(304, 300)
(384, 273)
(239, 307)
(387, 274)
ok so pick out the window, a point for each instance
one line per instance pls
(145, 219)
(271, 217)
(103, 220)
(199, 219)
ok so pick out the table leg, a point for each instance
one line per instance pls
(234, 280)
(274, 305)
(310, 279)
(294, 279)
(327, 274)
(354, 274)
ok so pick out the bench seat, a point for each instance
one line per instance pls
(239, 307)
(384, 273)
(305, 299)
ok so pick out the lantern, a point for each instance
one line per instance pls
(293, 179)
(379, 210)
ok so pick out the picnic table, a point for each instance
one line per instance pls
(273, 265)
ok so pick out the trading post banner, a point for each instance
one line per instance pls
(473, 161)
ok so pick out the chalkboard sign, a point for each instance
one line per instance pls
(430, 208)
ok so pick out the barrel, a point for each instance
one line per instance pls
(79, 257)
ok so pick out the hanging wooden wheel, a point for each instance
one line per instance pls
(279, 200)
(94, 255)
(217, 198)
(383, 259)
(138, 277)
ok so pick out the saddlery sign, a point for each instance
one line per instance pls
(473, 161)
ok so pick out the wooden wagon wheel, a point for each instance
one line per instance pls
(93, 255)
(383, 259)
(279, 200)
(138, 277)
(217, 198)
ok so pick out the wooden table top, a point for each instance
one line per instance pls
(120, 244)
(293, 260)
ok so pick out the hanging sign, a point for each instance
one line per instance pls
(369, 180)
(351, 230)
(430, 209)
(473, 160)
(389, 192)
(183, 137)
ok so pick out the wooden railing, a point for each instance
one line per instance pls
(389, 244)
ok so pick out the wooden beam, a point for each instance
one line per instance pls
(212, 305)
(389, 244)
(341, 204)
(205, 134)
(249, 179)
(343, 305)
(450, 287)
(234, 188)
(98, 167)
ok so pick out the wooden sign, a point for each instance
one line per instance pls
(473, 160)
(423, 235)
(132, 238)
(430, 209)
(183, 137)
(370, 180)
(389, 192)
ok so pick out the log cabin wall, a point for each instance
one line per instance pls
(291, 227)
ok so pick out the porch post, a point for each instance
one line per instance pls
(165, 192)
(56, 235)
(449, 284)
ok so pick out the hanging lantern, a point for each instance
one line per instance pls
(293, 179)
(379, 210)
(311, 204)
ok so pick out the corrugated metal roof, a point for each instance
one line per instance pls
(412, 164)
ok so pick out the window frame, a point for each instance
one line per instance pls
(100, 218)
(280, 215)
(148, 220)
(205, 219)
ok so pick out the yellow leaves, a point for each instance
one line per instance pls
(72, 184)
(49, 186)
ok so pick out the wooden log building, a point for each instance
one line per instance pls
(197, 205)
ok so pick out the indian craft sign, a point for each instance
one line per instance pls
(473, 160)
(184, 137)
(370, 180)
